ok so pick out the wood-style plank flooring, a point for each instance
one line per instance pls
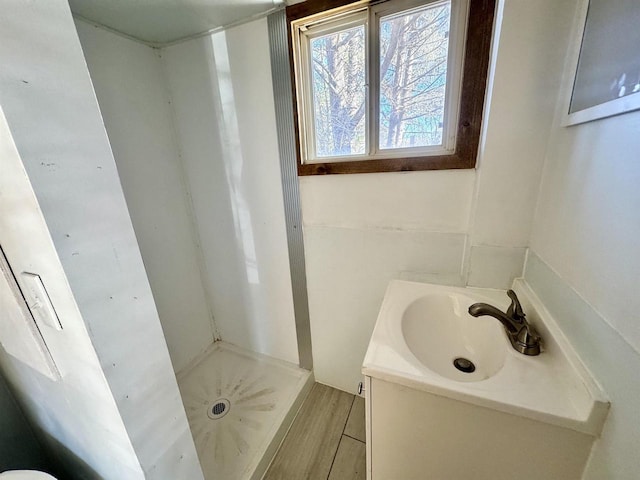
(326, 440)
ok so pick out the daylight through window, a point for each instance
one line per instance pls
(384, 83)
(413, 73)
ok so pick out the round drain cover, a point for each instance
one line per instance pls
(464, 365)
(218, 408)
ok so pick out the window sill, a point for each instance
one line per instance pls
(411, 164)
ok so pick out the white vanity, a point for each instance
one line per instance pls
(513, 417)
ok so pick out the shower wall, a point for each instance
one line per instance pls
(128, 80)
(192, 127)
(222, 96)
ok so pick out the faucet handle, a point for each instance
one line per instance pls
(515, 309)
(527, 341)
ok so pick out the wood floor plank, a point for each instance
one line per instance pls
(350, 462)
(310, 446)
(355, 425)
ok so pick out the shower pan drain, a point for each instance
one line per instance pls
(218, 409)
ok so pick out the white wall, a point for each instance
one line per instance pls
(48, 100)
(587, 224)
(84, 444)
(360, 231)
(129, 83)
(222, 95)
(585, 264)
(453, 227)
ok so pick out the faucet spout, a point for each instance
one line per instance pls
(522, 336)
(481, 309)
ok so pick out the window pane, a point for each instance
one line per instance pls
(338, 83)
(413, 72)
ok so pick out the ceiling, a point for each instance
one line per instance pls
(164, 21)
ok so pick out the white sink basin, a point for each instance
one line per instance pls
(422, 328)
(438, 330)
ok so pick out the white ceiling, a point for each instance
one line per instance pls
(164, 21)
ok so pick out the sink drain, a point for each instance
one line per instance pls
(218, 409)
(464, 365)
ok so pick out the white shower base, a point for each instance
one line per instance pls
(263, 396)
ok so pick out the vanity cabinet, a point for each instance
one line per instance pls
(511, 416)
(416, 435)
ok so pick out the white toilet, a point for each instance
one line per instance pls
(25, 475)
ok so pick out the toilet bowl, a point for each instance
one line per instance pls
(25, 475)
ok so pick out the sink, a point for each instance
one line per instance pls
(447, 396)
(441, 334)
(423, 328)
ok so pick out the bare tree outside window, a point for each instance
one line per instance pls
(338, 84)
(388, 86)
(413, 72)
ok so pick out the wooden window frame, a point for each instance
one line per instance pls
(477, 51)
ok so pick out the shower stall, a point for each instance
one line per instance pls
(193, 131)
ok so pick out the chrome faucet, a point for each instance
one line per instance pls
(522, 336)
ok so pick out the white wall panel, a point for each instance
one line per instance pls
(348, 272)
(585, 263)
(74, 385)
(434, 201)
(47, 97)
(588, 222)
(129, 83)
(495, 267)
(526, 76)
(223, 100)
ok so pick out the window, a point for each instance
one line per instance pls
(392, 86)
